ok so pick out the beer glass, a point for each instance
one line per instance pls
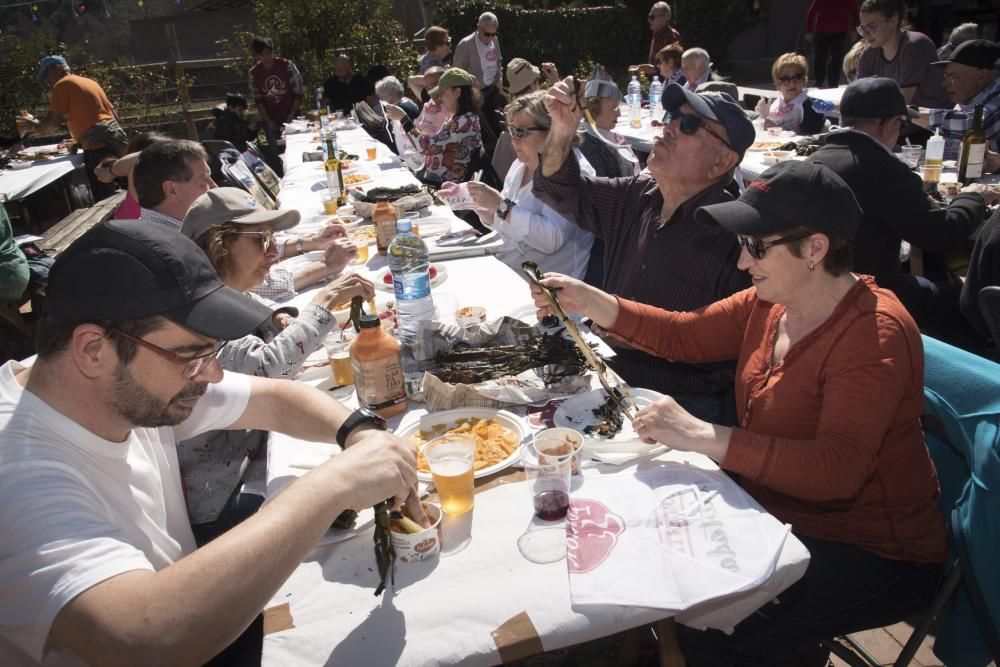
(451, 459)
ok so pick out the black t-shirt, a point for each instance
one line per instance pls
(343, 96)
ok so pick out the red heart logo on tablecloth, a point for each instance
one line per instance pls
(592, 532)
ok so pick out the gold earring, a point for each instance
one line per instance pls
(811, 266)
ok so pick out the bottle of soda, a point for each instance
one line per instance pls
(411, 280)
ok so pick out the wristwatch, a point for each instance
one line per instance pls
(504, 208)
(298, 246)
(356, 419)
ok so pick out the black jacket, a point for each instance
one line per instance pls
(984, 270)
(895, 207)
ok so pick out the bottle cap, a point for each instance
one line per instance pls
(370, 321)
(404, 225)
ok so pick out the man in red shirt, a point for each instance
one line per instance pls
(664, 34)
(276, 85)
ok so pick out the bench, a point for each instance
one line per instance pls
(59, 236)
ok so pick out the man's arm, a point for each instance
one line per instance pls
(191, 610)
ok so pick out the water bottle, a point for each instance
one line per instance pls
(655, 91)
(411, 280)
(821, 106)
(635, 101)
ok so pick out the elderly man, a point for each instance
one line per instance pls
(168, 176)
(970, 79)
(894, 204)
(654, 249)
(95, 529)
(697, 67)
(390, 91)
(664, 35)
(479, 55)
(88, 113)
(959, 34)
(345, 88)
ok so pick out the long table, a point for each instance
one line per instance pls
(485, 604)
(19, 183)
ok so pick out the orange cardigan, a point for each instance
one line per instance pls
(829, 440)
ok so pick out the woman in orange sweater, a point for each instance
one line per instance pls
(829, 396)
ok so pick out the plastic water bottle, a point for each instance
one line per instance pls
(635, 101)
(411, 280)
(821, 106)
(655, 91)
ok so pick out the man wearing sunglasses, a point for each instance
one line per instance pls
(655, 251)
(479, 55)
(97, 546)
(895, 206)
(664, 35)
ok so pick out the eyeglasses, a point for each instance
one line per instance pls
(869, 28)
(265, 237)
(791, 78)
(522, 132)
(758, 248)
(192, 366)
(489, 34)
(690, 124)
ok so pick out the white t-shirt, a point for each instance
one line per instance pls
(535, 231)
(489, 58)
(76, 509)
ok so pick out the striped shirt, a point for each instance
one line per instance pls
(681, 265)
(954, 123)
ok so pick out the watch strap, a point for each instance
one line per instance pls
(298, 246)
(356, 419)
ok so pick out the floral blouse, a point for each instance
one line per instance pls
(448, 153)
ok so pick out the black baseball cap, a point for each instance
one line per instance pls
(128, 269)
(790, 194)
(874, 97)
(714, 106)
(978, 53)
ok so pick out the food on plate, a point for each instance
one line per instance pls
(494, 441)
(354, 179)
(468, 365)
(379, 194)
(608, 415)
(766, 145)
(387, 276)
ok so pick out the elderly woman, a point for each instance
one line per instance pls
(390, 91)
(829, 392)
(239, 240)
(668, 64)
(900, 54)
(604, 100)
(530, 229)
(792, 109)
(447, 153)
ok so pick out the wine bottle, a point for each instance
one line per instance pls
(972, 152)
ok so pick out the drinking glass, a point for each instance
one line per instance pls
(338, 351)
(451, 459)
(547, 468)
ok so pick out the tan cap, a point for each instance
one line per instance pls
(520, 75)
(221, 205)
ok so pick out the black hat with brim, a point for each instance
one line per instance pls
(978, 53)
(714, 106)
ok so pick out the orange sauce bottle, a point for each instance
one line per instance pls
(384, 217)
(378, 369)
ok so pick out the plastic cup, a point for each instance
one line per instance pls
(560, 441)
(548, 469)
(338, 351)
(372, 150)
(415, 547)
(360, 239)
(451, 459)
(911, 156)
(330, 204)
(930, 175)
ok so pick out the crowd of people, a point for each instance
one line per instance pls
(774, 314)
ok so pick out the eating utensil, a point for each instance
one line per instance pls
(626, 403)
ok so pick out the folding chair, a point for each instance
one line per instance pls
(962, 430)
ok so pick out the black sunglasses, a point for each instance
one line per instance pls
(758, 248)
(792, 78)
(690, 124)
(522, 132)
(489, 34)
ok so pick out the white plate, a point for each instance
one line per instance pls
(577, 413)
(431, 226)
(442, 275)
(366, 518)
(450, 417)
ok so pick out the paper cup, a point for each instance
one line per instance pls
(470, 315)
(414, 547)
(567, 439)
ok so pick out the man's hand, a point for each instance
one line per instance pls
(560, 100)
(992, 162)
(103, 173)
(378, 465)
(989, 195)
(343, 289)
(339, 254)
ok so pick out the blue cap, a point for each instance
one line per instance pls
(46, 63)
(719, 107)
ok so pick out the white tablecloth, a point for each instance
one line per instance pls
(19, 183)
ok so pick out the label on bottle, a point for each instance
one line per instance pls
(379, 383)
(411, 287)
(974, 165)
(385, 232)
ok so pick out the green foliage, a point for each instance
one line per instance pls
(567, 36)
(18, 67)
(135, 90)
(312, 33)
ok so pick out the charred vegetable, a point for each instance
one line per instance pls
(345, 520)
(609, 417)
(477, 364)
(357, 310)
(385, 554)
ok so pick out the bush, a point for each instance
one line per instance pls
(18, 67)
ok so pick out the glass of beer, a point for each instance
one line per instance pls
(359, 237)
(338, 351)
(330, 204)
(372, 151)
(451, 459)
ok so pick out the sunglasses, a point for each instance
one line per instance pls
(264, 237)
(522, 132)
(690, 124)
(191, 366)
(758, 248)
(792, 78)
(489, 34)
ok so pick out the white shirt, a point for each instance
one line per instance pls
(77, 510)
(534, 231)
(488, 58)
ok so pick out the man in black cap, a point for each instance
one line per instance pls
(894, 203)
(970, 79)
(654, 249)
(96, 534)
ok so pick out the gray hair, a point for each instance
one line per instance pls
(699, 53)
(389, 85)
(532, 104)
(664, 9)
(964, 32)
(488, 17)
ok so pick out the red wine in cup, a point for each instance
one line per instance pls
(551, 505)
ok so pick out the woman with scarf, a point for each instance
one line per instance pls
(792, 108)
